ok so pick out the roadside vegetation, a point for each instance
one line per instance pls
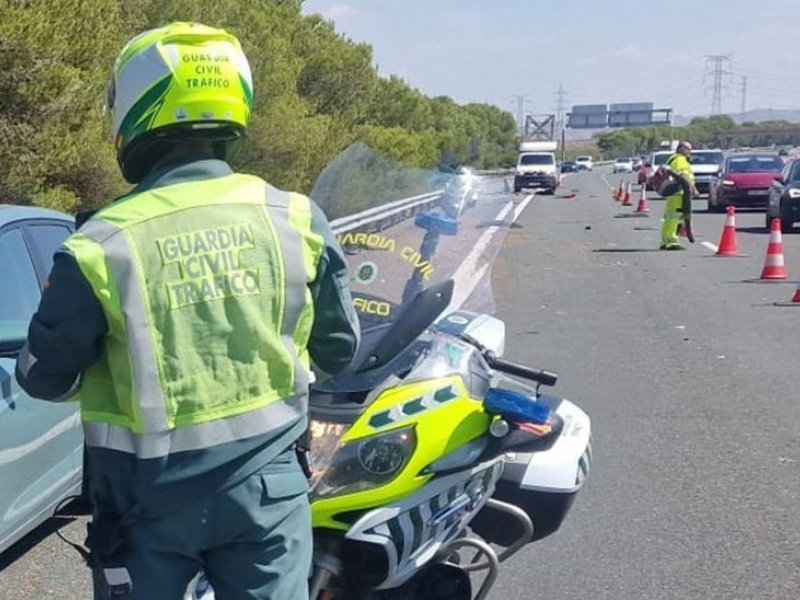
(712, 132)
(316, 92)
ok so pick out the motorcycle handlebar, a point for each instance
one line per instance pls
(506, 366)
(537, 375)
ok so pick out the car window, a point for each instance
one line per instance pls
(46, 240)
(706, 158)
(20, 296)
(755, 164)
(536, 159)
(660, 159)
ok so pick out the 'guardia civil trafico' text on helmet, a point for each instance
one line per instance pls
(179, 82)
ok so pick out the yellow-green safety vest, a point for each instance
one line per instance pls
(204, 286)
(680, 164)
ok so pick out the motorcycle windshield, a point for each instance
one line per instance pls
(405, 230)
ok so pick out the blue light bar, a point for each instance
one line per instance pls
(515, 407)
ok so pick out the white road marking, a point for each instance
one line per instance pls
(469, 275)
(521, 206)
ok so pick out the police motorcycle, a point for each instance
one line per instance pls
(433, 458)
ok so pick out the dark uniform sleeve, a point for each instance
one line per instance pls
(65, 335)
(335, 334)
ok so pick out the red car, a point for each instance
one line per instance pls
(744, 181)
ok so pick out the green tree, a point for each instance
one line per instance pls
(338, 76)
(315, 93)
(396, 104)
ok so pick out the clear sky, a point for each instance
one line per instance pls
(601, 51)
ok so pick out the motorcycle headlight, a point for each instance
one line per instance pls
(366, 463)
(325, 438)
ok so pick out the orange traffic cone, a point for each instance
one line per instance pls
(620, 193)
(627, 201)
(795, 301)
(642, 207)
(727, 244)
(773, 265)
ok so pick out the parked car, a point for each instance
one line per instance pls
(705, 167)
(585, 163)
(744, 180)
(41, 443)
(637, 163)
(656, 160)
(569, 167)
(623, 165)
(784, 197)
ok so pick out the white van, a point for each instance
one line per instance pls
(536, 170)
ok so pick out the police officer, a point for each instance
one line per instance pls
(186, 316)
(677, 204)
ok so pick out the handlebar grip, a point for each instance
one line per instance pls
(543, 377)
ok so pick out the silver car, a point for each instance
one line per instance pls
(41, 443)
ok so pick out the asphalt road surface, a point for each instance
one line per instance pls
(687, 369)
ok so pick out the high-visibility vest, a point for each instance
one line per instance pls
(204, 286)
(680, 164)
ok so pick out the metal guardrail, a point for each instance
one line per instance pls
(375, 219)
(491, 172)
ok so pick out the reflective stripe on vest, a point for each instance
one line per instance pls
(205, 290)
(264, 421)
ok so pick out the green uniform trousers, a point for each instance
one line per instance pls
(673, 218)
(253, 542)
